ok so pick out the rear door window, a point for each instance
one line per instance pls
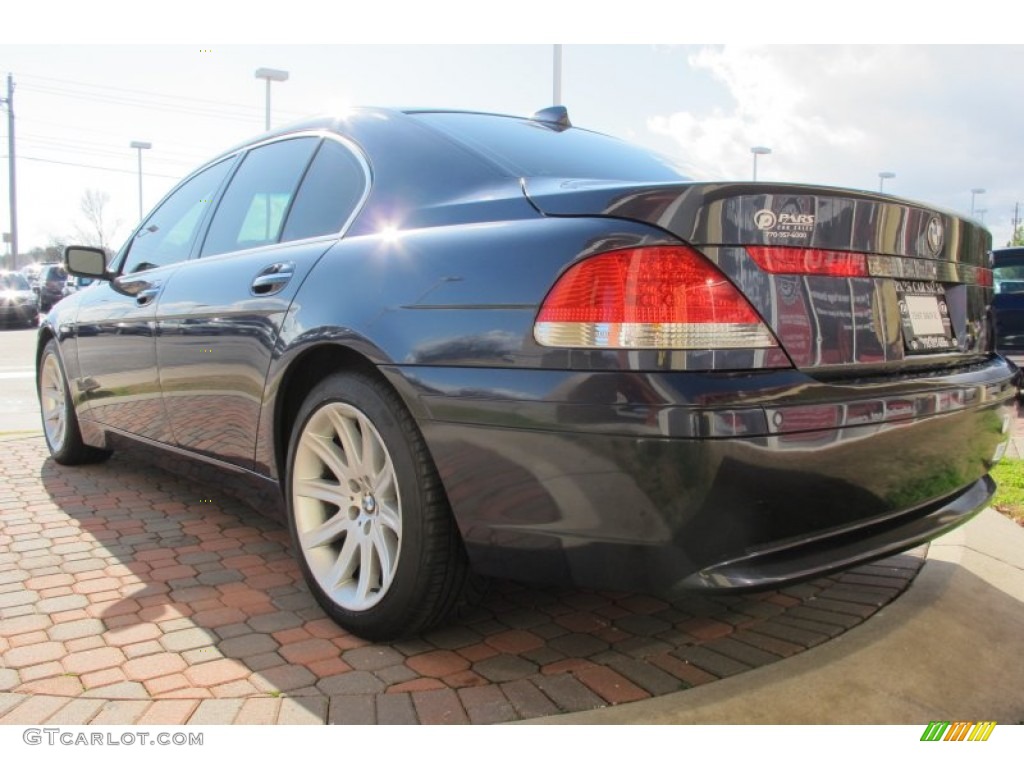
(254, 206)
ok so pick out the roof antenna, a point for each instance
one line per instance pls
(557, 116)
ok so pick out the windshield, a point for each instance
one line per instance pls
(13, 282)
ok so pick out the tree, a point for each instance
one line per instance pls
(1018, 237)
(98, 230)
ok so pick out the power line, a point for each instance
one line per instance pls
(58, 146)
(86, 146)
(150, 94)
(94, 167)
(100, 98)
(206, 151)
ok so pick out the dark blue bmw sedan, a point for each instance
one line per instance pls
(457, 344)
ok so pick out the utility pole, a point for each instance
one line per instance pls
(12, 187)
(1016, 223)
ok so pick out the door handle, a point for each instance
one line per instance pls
(146, 295)
(273, 278)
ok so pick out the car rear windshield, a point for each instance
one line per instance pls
(1009, 277)
(529, 148)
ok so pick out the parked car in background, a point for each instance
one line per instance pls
(31, 273)
(1007, 311)
(52, 279)
(457, 342)
(17, 300)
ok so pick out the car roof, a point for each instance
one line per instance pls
(352, 117)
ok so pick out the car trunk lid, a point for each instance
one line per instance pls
(845, 279)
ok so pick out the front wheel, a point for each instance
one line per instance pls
(60, 423)
(376, 540)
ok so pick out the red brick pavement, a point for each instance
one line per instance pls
(127, 597)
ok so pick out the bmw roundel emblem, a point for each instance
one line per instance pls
(934, 235)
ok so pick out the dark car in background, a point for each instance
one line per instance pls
(52, 279)
(17, 300)
(459, 343)
(1007, 312)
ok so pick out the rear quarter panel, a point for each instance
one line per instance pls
(463, 295)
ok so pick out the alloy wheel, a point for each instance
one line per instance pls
(347, 507)
(52, 401)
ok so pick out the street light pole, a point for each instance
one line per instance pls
(882, 176)
(981, 214)
(556, 91)
(974, 192)
(276, 75)
(755, 151)
(139, 146)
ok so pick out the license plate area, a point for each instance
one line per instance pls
(924, 316)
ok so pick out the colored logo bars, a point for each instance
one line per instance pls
(960, 730)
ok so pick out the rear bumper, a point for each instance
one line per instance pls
(818, 554)
(670, 482)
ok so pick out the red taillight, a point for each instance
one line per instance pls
(663, 297)
(809, 261)
(984, 277)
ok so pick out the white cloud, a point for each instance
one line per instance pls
(943, 118)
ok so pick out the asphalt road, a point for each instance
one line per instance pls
(19, 407)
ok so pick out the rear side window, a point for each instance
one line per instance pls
(529, 148)
(256, 201)
(329, 194)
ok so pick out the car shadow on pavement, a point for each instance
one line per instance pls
(136, 583)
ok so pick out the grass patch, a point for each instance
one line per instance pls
(1009, 499)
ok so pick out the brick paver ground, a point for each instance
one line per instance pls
(129, 595)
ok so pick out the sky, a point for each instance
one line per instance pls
(945, 119)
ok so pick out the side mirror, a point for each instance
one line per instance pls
(85, 261)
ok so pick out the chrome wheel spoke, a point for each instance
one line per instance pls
(389, 517)
(325, 491)
(383, 481)
(367, 571)
(328, 453)
(371, 452)
(383, 554)
(327, 532)
(349, 439)
(344, 565)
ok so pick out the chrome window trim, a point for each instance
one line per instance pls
(324, 134)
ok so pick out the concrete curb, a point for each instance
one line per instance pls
(948, 647)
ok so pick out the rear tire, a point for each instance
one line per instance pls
(375, 537)
(60, 422)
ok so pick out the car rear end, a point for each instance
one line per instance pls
(775, 381)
